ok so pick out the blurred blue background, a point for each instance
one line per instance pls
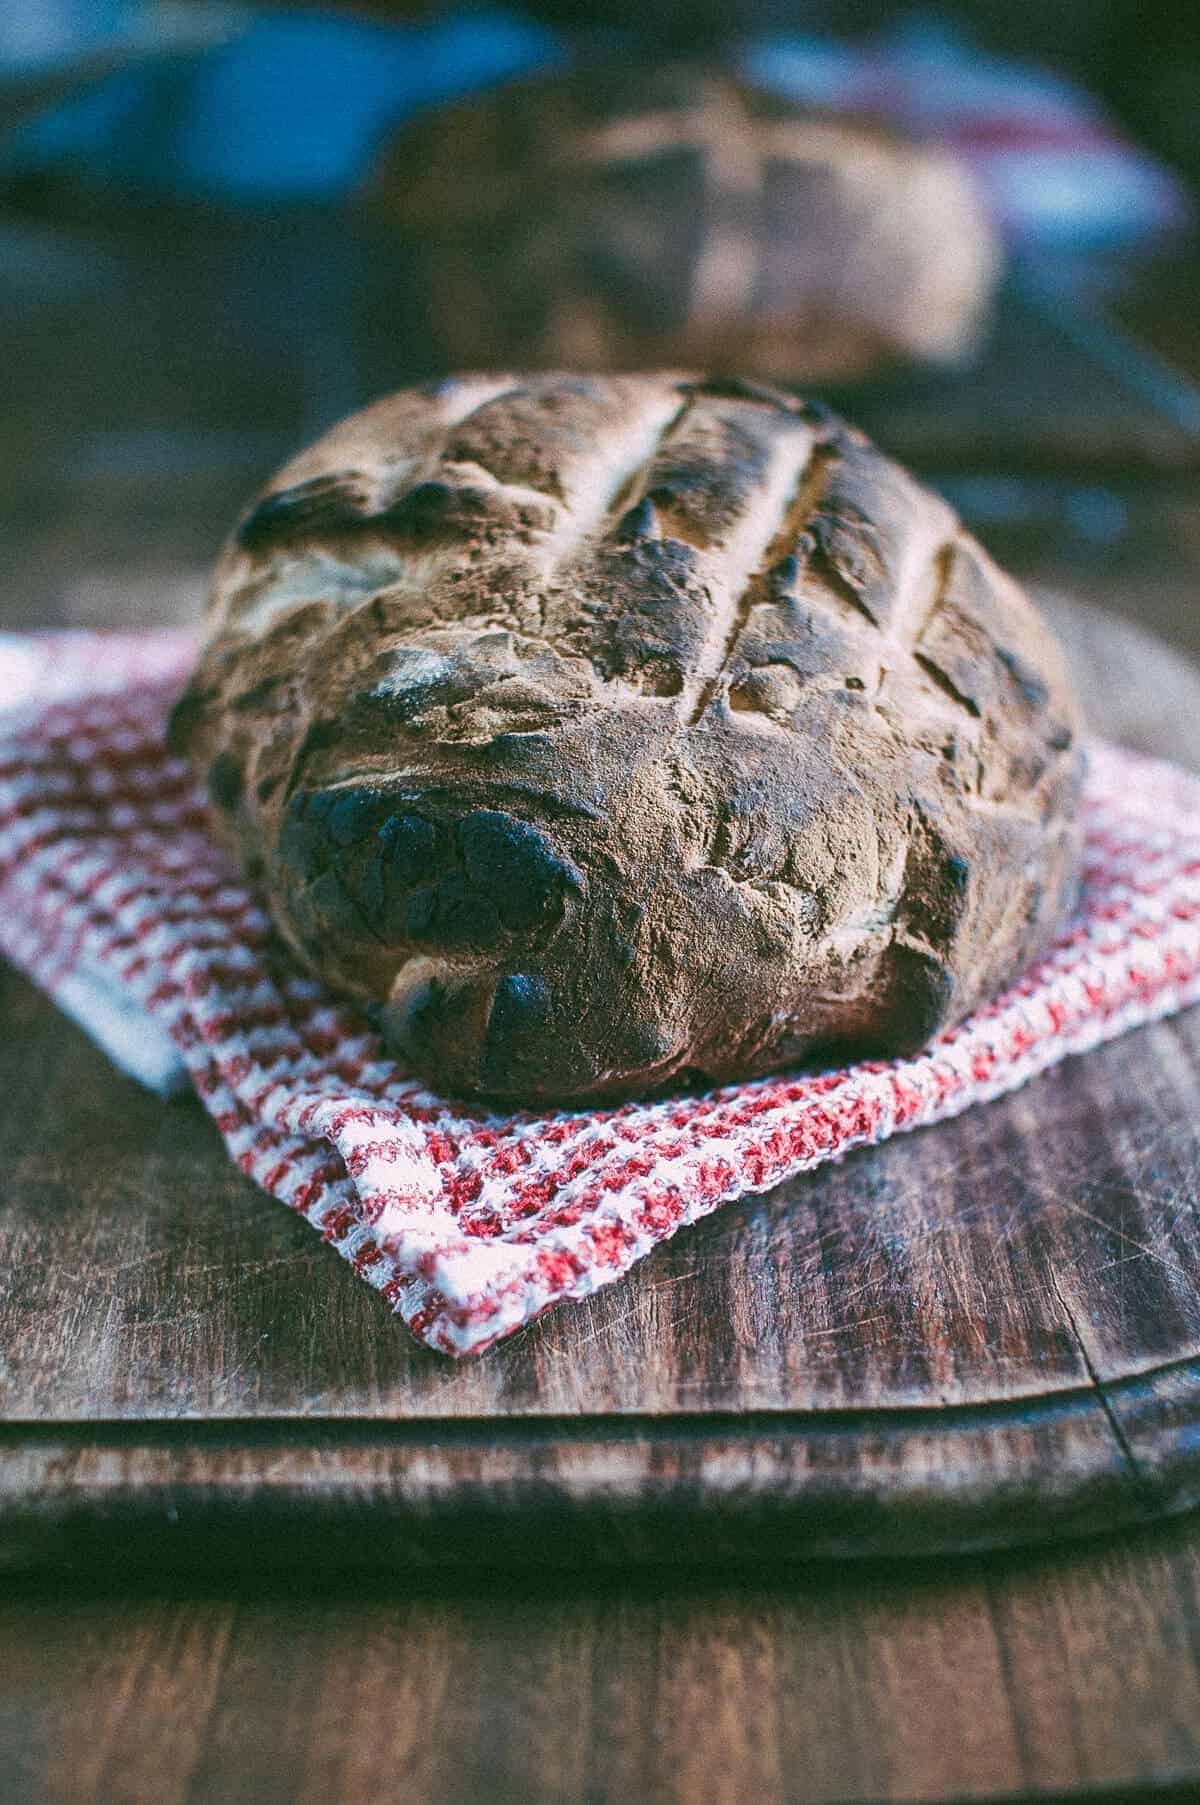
(208, 100)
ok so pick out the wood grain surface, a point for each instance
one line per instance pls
(981, 1334)
(985, 1678)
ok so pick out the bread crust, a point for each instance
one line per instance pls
(609, 732)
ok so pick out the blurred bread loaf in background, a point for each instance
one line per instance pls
(625, 215)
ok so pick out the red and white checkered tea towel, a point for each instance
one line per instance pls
(472, 1223)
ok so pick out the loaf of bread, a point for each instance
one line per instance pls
(638, 216)
(610, 732)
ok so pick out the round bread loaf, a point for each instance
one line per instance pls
(610, 731)
(628, 216)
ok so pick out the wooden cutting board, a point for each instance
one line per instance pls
(980, 1334)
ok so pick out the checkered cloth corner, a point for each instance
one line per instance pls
(472, 1223)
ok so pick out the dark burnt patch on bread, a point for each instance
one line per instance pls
(186, 714)
(226, 781)
(334, 504)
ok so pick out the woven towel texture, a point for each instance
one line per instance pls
(470, 1223)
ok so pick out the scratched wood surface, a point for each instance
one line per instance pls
(980, 1334)
(983, 1678)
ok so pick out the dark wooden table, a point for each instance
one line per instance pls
(161, 367)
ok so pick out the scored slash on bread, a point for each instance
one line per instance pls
(606, 732)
